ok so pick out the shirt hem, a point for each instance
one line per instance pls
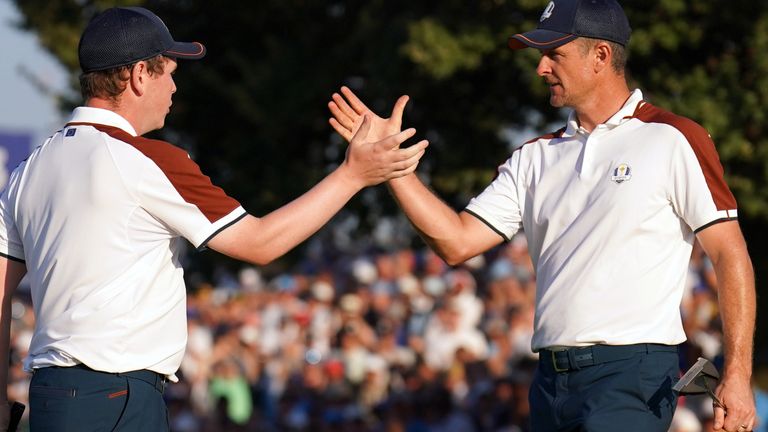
(12, 258)
(497, 231)
(714, 222)
(204, 245)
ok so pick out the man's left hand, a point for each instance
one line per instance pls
(735, 392)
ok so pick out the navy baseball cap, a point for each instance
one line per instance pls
(565, 20)
(121, 36)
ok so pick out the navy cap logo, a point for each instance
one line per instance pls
(597, 19)
(548, 11)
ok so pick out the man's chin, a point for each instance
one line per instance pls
(556, 101)
(154, 128)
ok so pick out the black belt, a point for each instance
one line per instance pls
(152, 378)
(576, 358)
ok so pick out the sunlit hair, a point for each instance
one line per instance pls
(111, 83)
(619, 57)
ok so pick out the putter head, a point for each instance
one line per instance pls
(702, 377)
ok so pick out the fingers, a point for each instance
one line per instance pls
(356, 103)
(362, 132)
(341, 116)
(719, 418)
(395, 140)
(738, 413)
(376, 162)
(397, 111)
(344, 117)
(408, 158)
(741, 423)
(737, 418)
(411, 151)
(409, 165)
(415, 152)
(402, 173)
(341, 129)
(344, 108)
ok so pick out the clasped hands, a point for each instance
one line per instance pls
(374, 150)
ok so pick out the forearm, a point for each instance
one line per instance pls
(736, 293)
(725, 246)
(262, 240)
(11, 273)
(437, 223)
(284, 228)
(5, 342)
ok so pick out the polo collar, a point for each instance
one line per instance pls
(101, 116)
(623, 114)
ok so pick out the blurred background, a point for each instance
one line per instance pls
(362, 328)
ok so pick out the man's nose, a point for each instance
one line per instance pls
(543, 68)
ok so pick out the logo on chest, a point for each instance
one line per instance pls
(621, 173)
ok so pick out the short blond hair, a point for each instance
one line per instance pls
(111, 83)
(619, 58)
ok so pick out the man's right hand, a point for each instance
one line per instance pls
(371, 161)
(348, 111)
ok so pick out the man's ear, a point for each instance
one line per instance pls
(603, 54)
(139, 77)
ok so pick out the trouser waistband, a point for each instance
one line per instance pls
(576, 358)
(152, 378)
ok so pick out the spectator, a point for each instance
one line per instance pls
(298, 353)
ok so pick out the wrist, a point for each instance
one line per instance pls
(347, 178)
(402, 181)
(737, 372)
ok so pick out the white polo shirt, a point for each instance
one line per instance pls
(610, 218)
(97, 214)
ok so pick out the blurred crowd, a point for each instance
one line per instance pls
(389, 340)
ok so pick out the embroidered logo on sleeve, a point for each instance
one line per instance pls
(621, 173)
(71, 132)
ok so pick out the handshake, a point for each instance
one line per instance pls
(374, 152)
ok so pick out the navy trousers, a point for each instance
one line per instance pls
(78, 399)
(631, 394)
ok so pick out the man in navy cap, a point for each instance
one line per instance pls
(611, 205)
(95, 218)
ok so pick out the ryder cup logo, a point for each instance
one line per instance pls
(621, 173)
(548, 11)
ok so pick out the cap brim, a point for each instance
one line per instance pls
(540, 39)
(186, 50)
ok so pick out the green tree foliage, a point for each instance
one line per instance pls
(253, 112)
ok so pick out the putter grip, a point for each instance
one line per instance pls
(17, 409)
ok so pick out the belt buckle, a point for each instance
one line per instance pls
(554, 363)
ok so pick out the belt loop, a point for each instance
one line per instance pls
(155, 379)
